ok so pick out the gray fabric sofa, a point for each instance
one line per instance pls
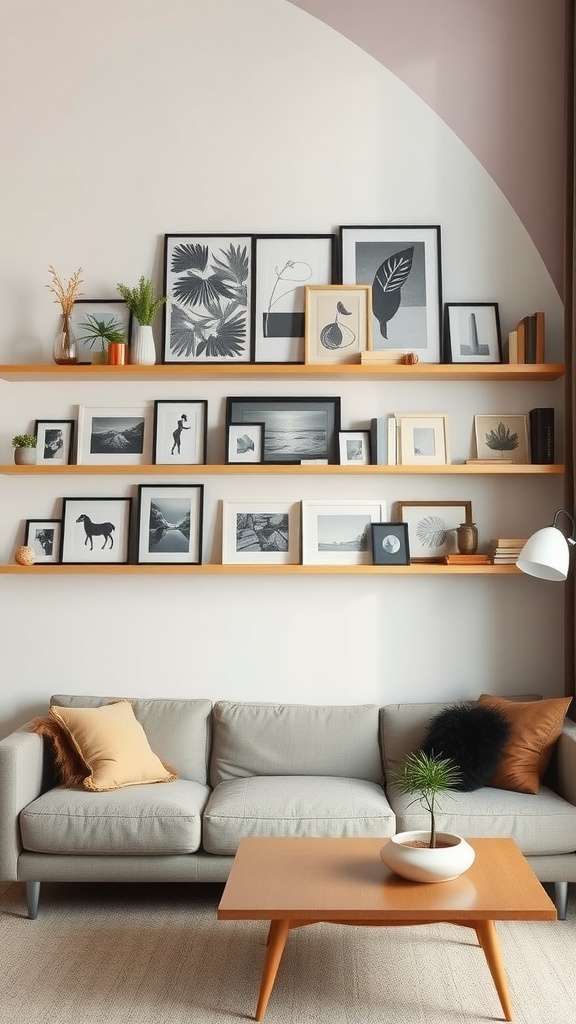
(255, 769)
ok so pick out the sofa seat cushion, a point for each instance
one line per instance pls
(142, 820)
(540, 825)
(294, 806)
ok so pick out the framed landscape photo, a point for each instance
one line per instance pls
(89, 314)
(283, 266)
(402, 264)
(114, 435)
(170, 518)
(354, 446)
(339, 532)
(295, 429)
(245, 443)
(95, 531)
(180, 434)
(43, 536)
(54, 442)
(390, 544)
(422, 439)
(260, 533)
(502, 437)
(209, 281)
(338, 322)
(432, 527)
(472, 333)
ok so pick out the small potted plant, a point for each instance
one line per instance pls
(427, 856)
(106, 330)
(144, 306)
(24, 449)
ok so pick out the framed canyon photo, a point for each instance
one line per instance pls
(170, 520)
(295, 429)
(260, 532)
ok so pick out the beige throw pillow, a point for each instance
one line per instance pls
(535, 728)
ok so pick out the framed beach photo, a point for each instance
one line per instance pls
(504, 437)
(472, 332)
(209, 281)
(295, 429)
(338, 323)
(390, 544)
(339, 532)
(354, 447)
(43, 536)
(114, 435)
(91, 315)
(283, 266)
(432, 527)
(180, 435)
(95, 531)
(260, 533)
(402, 264)
(245, 443)
(54, 442)
(422, 439)
(170, 518)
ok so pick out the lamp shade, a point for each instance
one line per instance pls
(545, 554)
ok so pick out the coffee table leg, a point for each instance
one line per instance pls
(276, 941)
(488, 938)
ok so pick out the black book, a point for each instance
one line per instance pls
(542, 436)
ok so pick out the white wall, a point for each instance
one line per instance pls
(127, 120)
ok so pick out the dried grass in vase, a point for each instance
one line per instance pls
(66, 292)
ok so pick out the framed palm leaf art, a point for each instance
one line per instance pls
(209, 281)
(432, 526)
(402, 264)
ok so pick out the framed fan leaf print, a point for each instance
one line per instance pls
(432, 527)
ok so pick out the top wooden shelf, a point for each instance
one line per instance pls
(283, 371)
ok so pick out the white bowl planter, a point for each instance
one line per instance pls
(421, 864)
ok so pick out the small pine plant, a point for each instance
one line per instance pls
(427, 775)
(141, 301)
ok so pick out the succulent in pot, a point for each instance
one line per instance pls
(24, 449)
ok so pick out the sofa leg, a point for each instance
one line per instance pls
(32, 899)
(561, 899)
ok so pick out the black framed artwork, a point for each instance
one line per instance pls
(295, 429)
(390, 544)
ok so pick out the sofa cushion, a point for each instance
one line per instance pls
(295, 739)
(472, 737)
(140, 820)
(70, 768)
(535, 728)
(294, 806)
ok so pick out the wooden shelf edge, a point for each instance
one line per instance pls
(419, 569)
(267, 469)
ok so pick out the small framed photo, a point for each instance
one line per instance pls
(354, 446)
(245, 443)
(170, 520)
(338, 532)
(432, 527)
(95, 531)
(390, 544)
(502, 437)
(43, 536)
(260, 533)
(472, 333)
(114, 435)
(54, 442)
(90, 315)
(180, 435)
(422, 439)
(296, 429)
(338, 322)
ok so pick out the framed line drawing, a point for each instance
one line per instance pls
(209, 280)
(338, 322)
(114, 435)
(95, 531)
(502, 437)
(170, 518)
(472, 333)
(390, 544)
(402, 264)
(432, 527)
(245, 443)
(354, 447)
(339, 532)
(54, 442)
(422, 439)
(43, 535)
(88, 313)
(260, 533)
(180, 434)
(283, 266)
(295, 429)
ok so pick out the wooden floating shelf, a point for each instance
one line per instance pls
(267, 469)
(418, 569)
(282, 371)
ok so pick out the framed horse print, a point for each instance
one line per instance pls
(95, 531)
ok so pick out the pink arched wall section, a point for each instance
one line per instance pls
(493, 70)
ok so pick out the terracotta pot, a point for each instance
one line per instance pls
(117, 351)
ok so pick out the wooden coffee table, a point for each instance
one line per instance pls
(293, 882)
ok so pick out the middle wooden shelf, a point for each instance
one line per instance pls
(272, 469)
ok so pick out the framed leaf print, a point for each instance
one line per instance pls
(432, 527)
(402, 264)
(209, 281)
(502, 437)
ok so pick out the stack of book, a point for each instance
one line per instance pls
(374, 357)
(383, 440)
(505, 550)
(527, 342)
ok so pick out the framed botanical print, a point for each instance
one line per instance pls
(170, 524)
(54, 442)
(432, 527)
(338, 323)
(180, 432)
(502, 437)
(95, 531)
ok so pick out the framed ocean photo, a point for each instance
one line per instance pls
(295, 429)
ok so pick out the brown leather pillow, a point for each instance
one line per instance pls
(70, 768)
(535, 728)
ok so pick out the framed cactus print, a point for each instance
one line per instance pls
(502, 437)
(402, 265)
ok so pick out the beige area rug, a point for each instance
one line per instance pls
(150, 954)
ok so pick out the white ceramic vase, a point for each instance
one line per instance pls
(421, 864)
(142, 349)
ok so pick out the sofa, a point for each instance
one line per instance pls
(246, 769)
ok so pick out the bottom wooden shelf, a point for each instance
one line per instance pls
(417, 569)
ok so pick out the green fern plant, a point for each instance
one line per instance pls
(426, 776)
(141, 301)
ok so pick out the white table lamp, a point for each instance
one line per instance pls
(546, 554)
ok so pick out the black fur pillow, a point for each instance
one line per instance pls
(473, 736)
